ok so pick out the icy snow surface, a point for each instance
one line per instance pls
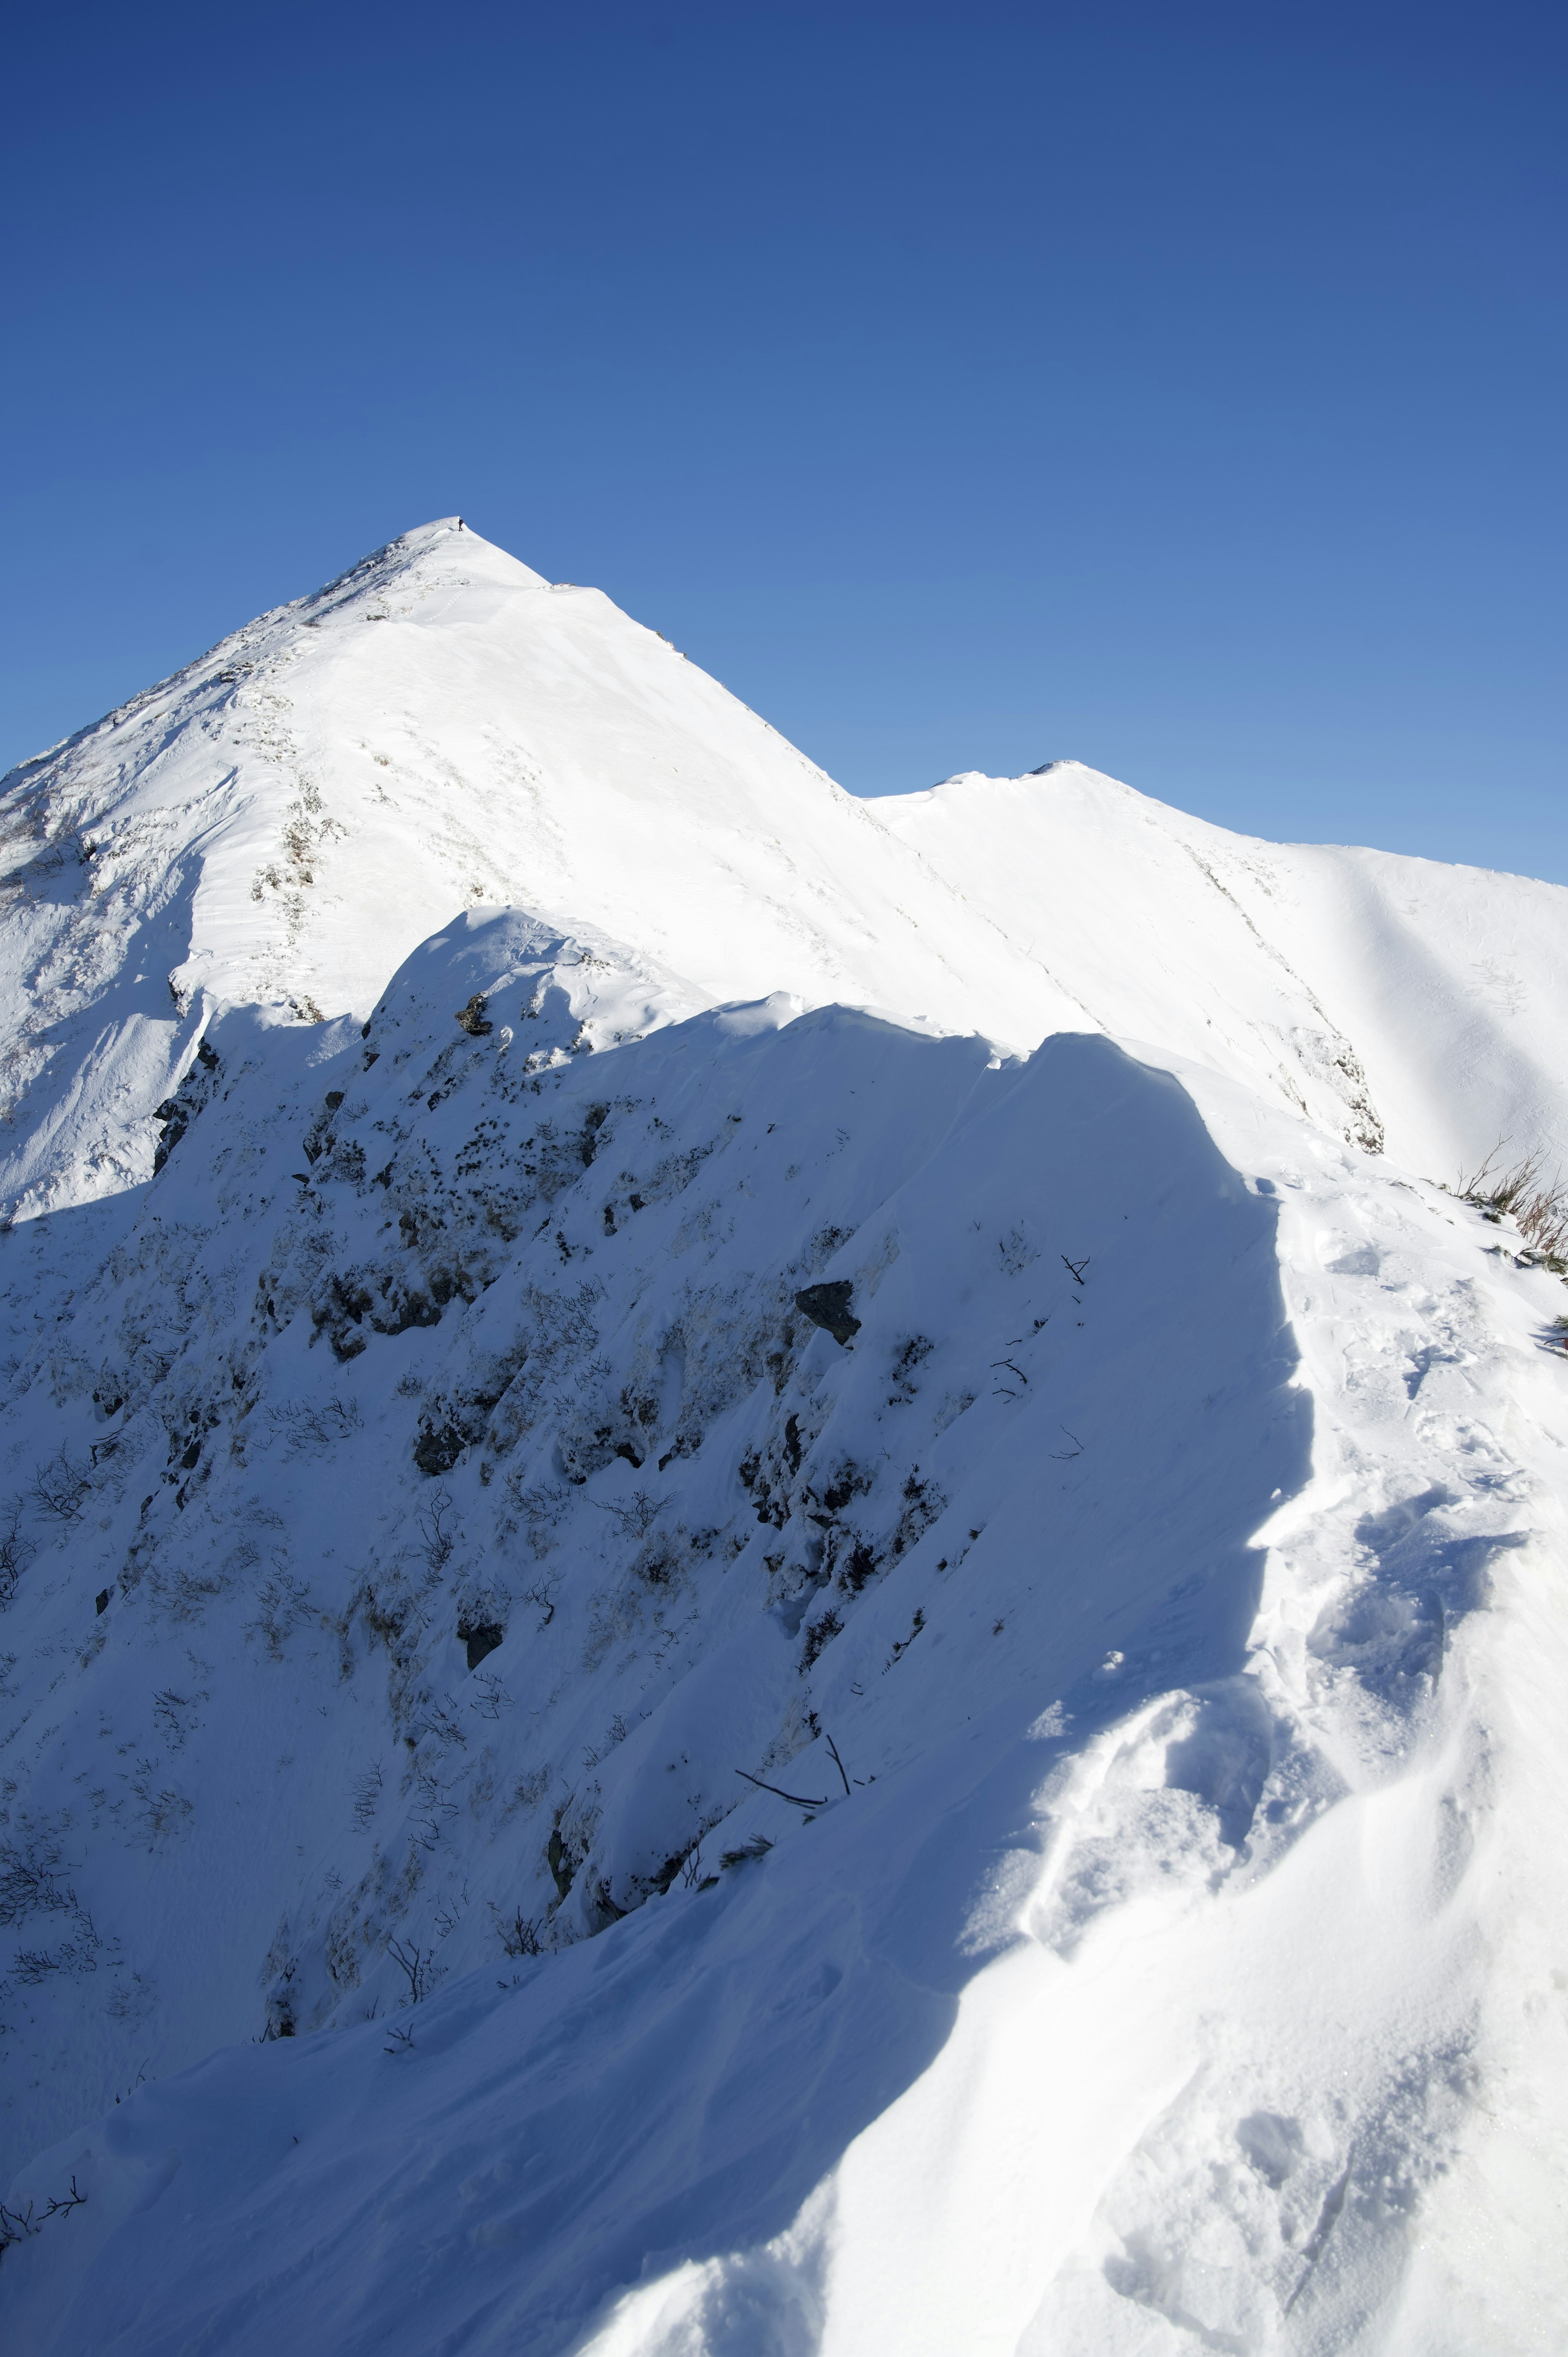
(438, 1526)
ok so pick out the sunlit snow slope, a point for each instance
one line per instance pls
(552, 1801)
(287, 819)
(1430, 998)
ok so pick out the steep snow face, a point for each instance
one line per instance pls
(284, 821)
(1022, 1828)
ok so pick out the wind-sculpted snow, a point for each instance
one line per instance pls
(687, 1670)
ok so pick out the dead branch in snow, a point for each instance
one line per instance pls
(796, 1800)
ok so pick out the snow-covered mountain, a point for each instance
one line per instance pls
(283, 822)
(792, 1588)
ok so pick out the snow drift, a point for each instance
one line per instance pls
(808, 1600)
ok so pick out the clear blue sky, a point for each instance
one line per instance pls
(1181, 388)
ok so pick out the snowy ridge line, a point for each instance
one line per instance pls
(380, 566)
(440, 728)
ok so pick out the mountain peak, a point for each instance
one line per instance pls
(440, 728)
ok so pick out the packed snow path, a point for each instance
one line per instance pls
(446, 1540)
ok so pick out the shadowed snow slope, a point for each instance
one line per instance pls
(552, 1806)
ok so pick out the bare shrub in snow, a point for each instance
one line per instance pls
(342, 1954)
(418, 1967)
(747, 1854)
(1015, 1251)
(528, 1792)
(367, 1792)
(392, 1613)
(59, 1486)
(282, 1605)
(659, 1562)
(614, 1734)
(441, 1723)
(821, 1633)
(636, 1514)
(430, 1811)
(174, 1717)
(449, 1914)
(29, 1882)
(923, 1503)
(518, 1935)
(280, 2018)
(160, 1812)
(909, 1356)
(15, 2225)
(1538, 1205)
(182, 1592)
(858, 1566)
(30, 1886)
(539, 1510)
(131, 2000)
(491, 1697)
(437, 1539)
(29, 1966)
(16, 1551)
(902, 1645)
(541, 1596)
(310, 1431)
